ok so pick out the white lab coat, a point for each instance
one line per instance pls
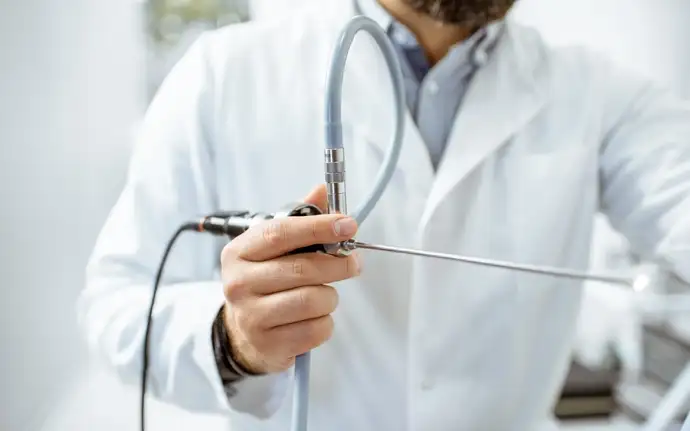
(543, 140)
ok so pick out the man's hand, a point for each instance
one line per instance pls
(279, 306)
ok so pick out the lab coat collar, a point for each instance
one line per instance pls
(502, 97)
(369, 110)
(483, 40)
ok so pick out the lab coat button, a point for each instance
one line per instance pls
(433, 87)
(427, 385)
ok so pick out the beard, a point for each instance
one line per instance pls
(466, 13)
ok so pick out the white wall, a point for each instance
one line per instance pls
(69, 85)
(651, 37)
(267, 9)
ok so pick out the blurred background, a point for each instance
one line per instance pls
(75, 79)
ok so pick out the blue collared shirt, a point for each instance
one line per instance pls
(434, 93)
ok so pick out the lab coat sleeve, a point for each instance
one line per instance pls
(645, 169)
(170, 181)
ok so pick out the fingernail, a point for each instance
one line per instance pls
(345, 227)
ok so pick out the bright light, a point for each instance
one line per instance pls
(641, 282)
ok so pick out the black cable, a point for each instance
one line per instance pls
(149, 317)
(224, 223)
(215, 224)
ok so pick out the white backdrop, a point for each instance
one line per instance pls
(70, 92)
(651, 37)
(267, 9)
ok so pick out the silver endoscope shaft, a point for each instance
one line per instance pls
(544, 270)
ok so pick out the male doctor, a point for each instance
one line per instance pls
(510, 150)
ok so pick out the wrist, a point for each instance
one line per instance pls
(238, 349)
(229, 370)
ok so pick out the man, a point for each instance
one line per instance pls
(509, 151)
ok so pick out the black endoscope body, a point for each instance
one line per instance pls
(235, 223)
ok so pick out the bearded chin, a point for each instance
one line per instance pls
(469, 13)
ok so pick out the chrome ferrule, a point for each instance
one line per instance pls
(334, 168)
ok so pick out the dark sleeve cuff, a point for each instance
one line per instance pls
(229, 370)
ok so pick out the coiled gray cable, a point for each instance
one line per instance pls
(334, 135)
(334, 140)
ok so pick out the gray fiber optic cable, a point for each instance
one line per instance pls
(334, 155)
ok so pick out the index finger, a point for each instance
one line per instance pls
(275, 238)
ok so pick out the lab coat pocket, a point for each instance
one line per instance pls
(552, 199)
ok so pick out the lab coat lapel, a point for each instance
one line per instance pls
(503, 96)
(414, 163)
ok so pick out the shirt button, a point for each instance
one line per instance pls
(400, 38)
(480, 58)
(432, 87)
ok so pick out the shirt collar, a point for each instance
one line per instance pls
(480, 43)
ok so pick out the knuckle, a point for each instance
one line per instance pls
(228, 253)
(325, 328)
(235, 288)
(308, 336)
(299, 267)
(331, 329)
(333, 298)
(275, 233)
(319, 331)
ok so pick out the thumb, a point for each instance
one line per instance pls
(318, 197)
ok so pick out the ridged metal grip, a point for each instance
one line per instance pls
(334, 169)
